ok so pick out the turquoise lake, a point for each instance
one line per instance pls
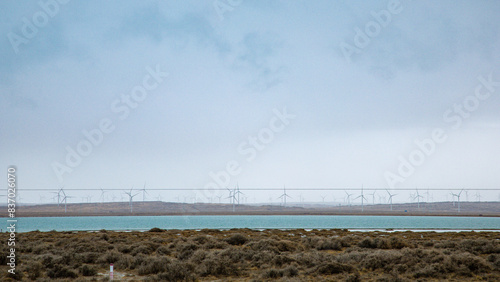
(26, 224)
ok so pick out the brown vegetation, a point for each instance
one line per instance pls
(251, 255)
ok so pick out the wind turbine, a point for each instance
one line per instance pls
(238, 192)
(458, 198)
(373, 197)
(390, 197)
(412, 197)
(219, 197)
(58, 195)
(283, 196)
(144, 192)
(418, 196)
(131, 197)
(323, 198)
(65, 199)
(348, 198)
(453, 195)
(428, 195)
(231, 197)
(102, 194)
(478, 196)
(362, 199)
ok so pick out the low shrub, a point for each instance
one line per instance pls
(163, 250)
(110, 257)
(125, 262)
(237, 239)
(367, 243)
(34, 270)
(281, 260)
(156, 229)
(291, 271)
(333, 268)
(218, 266)
(353, 278)
(429, 271)
(332, 244)
(87, 257)
(60, 271)
(154, 266)
(381, 259)
(397, 243)
(88, 270)
(177, 271)
(272, 273)
(264, 244)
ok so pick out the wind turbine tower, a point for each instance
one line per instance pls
(390, 197)
(362, 199)
(348, 198)
(144, 192)
(284, 196)
(418, 196)
(237, 192)
(131, 197)
(102, 194)
(373, 197)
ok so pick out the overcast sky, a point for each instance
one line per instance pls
(269, 93)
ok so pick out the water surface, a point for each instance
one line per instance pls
(26, 224)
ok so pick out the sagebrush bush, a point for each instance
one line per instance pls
(217, 265)
(237, 239)
(330, 244)
(110, 257)
(291, 271)
(154, 266)
(88, 270)
(125, 262)
(163, 250)
(367, 243)
(60, 271)
(156, 229)
(178, 271)
(272, 273)
(333, 268)
(34, 270)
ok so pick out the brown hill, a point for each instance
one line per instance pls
(169, 208)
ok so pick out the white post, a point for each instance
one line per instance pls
(111, 271)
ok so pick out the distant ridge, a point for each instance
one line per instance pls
(174, 208)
